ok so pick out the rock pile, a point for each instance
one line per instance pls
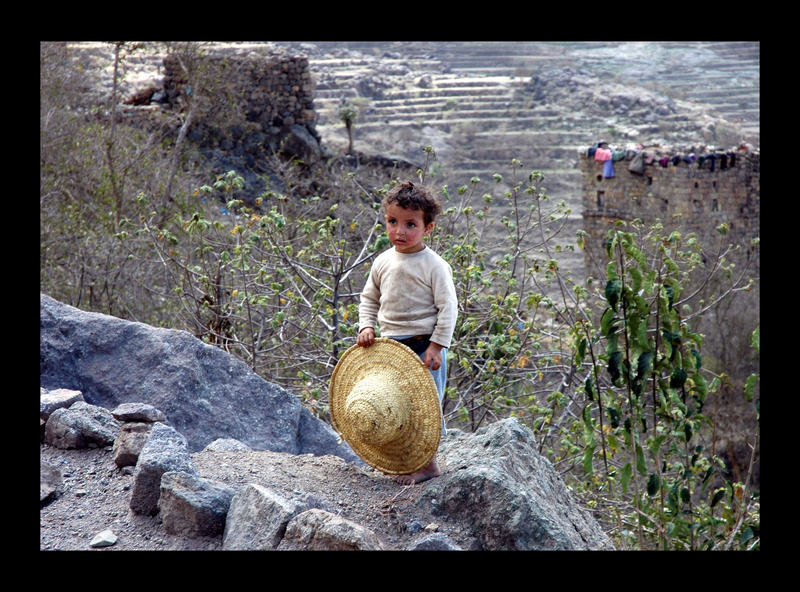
(498, 489)
(496, 493)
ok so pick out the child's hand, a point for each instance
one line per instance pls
(366, 337)
(433, 356)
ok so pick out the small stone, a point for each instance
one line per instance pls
(105, 538)
(434, 542)
(227, 445)
(432, 527)
(138, 412)
(50, 481)
(414, 527)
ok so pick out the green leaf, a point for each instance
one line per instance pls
(677, 378)
(588, 426)
(381, 242)
(636, 276)
(698, 359)
(652, 485)
(611, 241)
(582, 348)
(645, 363)
(614, 415)
(587, 385)
(614, 365)
(613, 291)
(588, 455)
(640, 464)
(755, 340)
(718, 495)
(608, 323)
(641, 336)
(672, 499)
(670, 295)
(655, 444)
(750, 385)
(625, 477)
(700, 387)
(586, 414)
(746, 535)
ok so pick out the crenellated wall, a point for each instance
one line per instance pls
(688, 192)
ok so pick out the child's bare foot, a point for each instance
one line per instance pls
(429, 471)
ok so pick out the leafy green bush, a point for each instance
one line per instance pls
(645, 397)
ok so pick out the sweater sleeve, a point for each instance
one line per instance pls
(370, 300)
(446, 301)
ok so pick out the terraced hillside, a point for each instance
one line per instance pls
(484, 91)
(481, 104)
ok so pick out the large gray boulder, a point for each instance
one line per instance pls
(205, 392)
(509, 496)
(299, 142)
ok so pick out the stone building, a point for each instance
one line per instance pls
(686, 191)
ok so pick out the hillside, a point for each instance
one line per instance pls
(482, 104)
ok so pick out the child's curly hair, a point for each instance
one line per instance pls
(412, 196)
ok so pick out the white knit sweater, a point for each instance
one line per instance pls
(410, 294)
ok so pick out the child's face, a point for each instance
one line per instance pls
(406, 228)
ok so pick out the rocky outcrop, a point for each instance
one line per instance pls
(497, 489)
(205, 392)
(509, 494)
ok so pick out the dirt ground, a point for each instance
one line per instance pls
(96, 494)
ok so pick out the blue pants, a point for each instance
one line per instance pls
(440, 378)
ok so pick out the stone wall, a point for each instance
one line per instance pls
(685, 194)
(266, 94)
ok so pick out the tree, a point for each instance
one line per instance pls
(348, 113)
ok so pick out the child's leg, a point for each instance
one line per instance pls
(440, 378)
(431, 470)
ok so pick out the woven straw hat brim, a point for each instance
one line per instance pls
(397, 365)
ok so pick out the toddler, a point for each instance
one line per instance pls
(410, 293)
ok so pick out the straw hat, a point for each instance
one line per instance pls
(384, 403)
